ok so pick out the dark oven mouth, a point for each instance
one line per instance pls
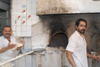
(59, 39)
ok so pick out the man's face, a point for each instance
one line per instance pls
(82, 27)
(7, 32)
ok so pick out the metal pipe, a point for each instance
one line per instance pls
(16, 58)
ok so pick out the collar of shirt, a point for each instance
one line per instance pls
(79, 35)
(5, 38)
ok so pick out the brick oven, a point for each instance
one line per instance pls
(56, 24)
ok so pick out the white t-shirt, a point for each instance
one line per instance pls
(9, 53)
(77, 45)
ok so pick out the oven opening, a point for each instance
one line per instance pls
(59, 40)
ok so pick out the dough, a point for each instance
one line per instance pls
(17, 45)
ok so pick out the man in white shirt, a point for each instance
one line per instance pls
(6, 45)
(76, 49)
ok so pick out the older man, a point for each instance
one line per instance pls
(76, 49)
(6, 45)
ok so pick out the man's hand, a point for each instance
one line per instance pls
(23, 42)
(95, 58)
(11, 45)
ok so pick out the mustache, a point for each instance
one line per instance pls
(7, 34)
(83, 30)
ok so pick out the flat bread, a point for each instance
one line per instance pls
(17, 45)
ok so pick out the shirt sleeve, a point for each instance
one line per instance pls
(71, 46)
(1, 45)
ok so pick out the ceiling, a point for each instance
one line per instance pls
(6, 1)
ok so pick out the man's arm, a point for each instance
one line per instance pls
(70, 58)
(93, 57)
(6, 48)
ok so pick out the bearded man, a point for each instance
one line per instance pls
(76, 50)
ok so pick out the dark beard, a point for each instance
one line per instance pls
(82, 31)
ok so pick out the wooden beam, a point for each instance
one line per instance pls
(16, 58)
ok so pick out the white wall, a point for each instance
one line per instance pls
(21, 29)
(67, 6)
(40, 36)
